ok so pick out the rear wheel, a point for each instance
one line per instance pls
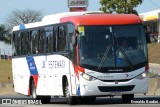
(70, 99)
(127, 98)
(44, 99)
(33, 91)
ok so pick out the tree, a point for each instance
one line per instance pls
(120, 6)
(4, 34)
(17, 17)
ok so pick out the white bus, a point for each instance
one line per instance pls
(78, 55)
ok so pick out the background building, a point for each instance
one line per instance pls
(77, 5)
(5, 50)
(152, 21)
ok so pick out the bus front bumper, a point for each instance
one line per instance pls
(101, 88)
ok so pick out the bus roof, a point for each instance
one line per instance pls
(83, 18)
(103, 19)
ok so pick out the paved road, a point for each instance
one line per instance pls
(139, 101)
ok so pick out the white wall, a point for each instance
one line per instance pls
(5, 49)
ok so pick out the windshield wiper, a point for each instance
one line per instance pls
(126, 57)
(104, 57)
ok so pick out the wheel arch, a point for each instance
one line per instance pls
(31, 79)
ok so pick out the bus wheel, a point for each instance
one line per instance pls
(127, 98)
(33, 91)
(43, 99)
(70, 99)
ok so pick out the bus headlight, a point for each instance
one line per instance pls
(88, 77)
(142, 76)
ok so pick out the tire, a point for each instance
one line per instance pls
(70, 99)
(127, 98)
(44, 99)
(33, 91)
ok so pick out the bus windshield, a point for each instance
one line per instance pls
(112, 46)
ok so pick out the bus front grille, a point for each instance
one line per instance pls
(116, 88)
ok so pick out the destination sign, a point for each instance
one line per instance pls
(77, 3)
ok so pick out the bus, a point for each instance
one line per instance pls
(78, 55)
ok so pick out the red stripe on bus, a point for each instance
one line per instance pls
(29, 92)
(77, 69)
(35, 77)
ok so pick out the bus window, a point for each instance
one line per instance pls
(54, 40)
(61, 39)
(49, 39)
(18, 48)
(24, 43)
(14, 44)
(41, 43)
(72, 47)
(71, 34)
(33, 42)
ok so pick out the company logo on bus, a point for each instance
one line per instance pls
(116, 82)
(56, 64)
(115, 70)
(32, 66)
(103, 77)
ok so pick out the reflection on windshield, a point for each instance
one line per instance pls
(117, 46)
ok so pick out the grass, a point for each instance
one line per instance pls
(6, 69)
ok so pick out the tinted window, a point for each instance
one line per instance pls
(24, 43)
(41, 41)
(61, 39)
(34, 41)
(49, 39)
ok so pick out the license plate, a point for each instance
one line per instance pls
(116, 93)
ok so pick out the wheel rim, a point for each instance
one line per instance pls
(67, 91)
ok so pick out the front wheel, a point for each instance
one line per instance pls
(127, 98)
(70, 99)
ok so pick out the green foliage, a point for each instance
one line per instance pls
(119, 6)
(4, 34)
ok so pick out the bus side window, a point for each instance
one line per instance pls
(61, 39)
(18, 46)
(41, 42)
(54, 40)
(33, 46)
(25, 43)
(71, 36)
(14, 44)
(49, 39)
(72, 41)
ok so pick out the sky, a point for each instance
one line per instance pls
(57, 6)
